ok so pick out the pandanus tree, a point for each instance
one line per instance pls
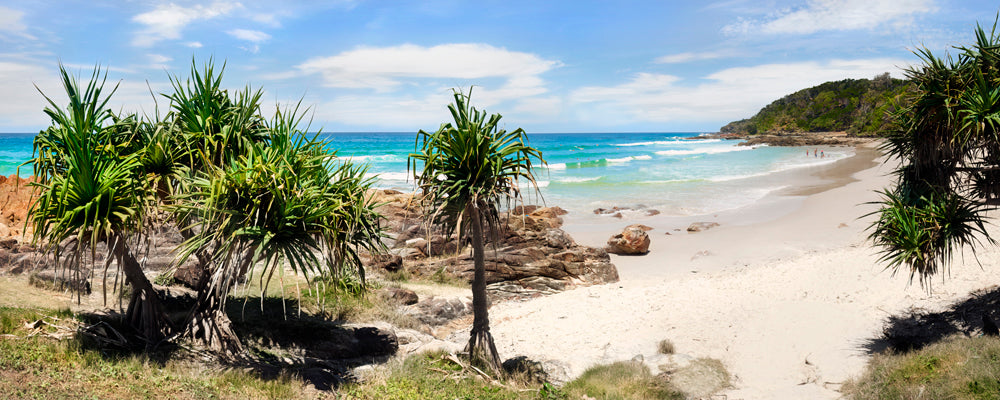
(467, 170)
(92, 190)
(948, 145)
(244, 191)
(285, 201)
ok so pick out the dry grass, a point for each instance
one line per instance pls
(621, 380)
(33, 365)
(957, 367)
(665, 347)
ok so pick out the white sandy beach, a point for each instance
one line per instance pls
(783, 293)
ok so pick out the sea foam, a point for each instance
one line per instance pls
(704, 150)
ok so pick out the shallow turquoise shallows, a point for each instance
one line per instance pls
(676, 173)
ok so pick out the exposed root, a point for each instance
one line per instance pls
(482, 350)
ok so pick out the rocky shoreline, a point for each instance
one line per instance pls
(791, 138)
(532, 256)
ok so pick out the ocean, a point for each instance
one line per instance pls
(674, 173)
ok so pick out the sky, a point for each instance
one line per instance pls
(546, 66)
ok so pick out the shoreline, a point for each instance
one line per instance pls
(785, 298)
(722, 246)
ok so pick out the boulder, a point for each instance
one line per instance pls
(645, 228)
(437, 311)
(442, 245)
(412, 341)
(418, 243)
(527, 287)
(190, 274)
(617, 212)
(401, 296)
(558, 238)
(387, 262)
(9, 243)
(632, 241)
(550, 216)
(524, 210)
(702, 226)
(407, 253)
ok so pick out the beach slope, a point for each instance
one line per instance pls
(786, 299)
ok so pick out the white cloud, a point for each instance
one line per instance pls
(731, 93)
(249, 35)
(158, 61)
(833, 15)
(420, 79)
(167, 20)
(21, 106)
(384, 68)
(688, 57)
(77, 67)
(269, 19)
(193, 45)
(407, 113)
(11, 23)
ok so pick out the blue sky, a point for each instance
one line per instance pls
(547, 66)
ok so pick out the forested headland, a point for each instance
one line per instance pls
(859, 107)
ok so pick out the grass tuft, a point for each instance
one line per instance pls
(665, 347)
(433, 376)
(620, 380)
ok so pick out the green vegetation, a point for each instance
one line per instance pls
(435, 376)
(469, 167)
(246, 192)
(33, 365)
(948, 144)
(860, 107)
(331, 299)
(955, 368)
(621, 380)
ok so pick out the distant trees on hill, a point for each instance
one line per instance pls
(861, 107)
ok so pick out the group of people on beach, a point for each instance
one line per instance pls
(821, 154)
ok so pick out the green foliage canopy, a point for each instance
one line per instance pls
(948, 144)
(860, 107)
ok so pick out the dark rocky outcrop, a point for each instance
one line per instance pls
(532, 256)
(804, 139)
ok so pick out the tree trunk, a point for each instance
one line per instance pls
(480, 347)
(145, 313)
(208, 320)
(210, 323)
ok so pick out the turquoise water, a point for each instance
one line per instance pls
(15, 149)
(666, 171)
